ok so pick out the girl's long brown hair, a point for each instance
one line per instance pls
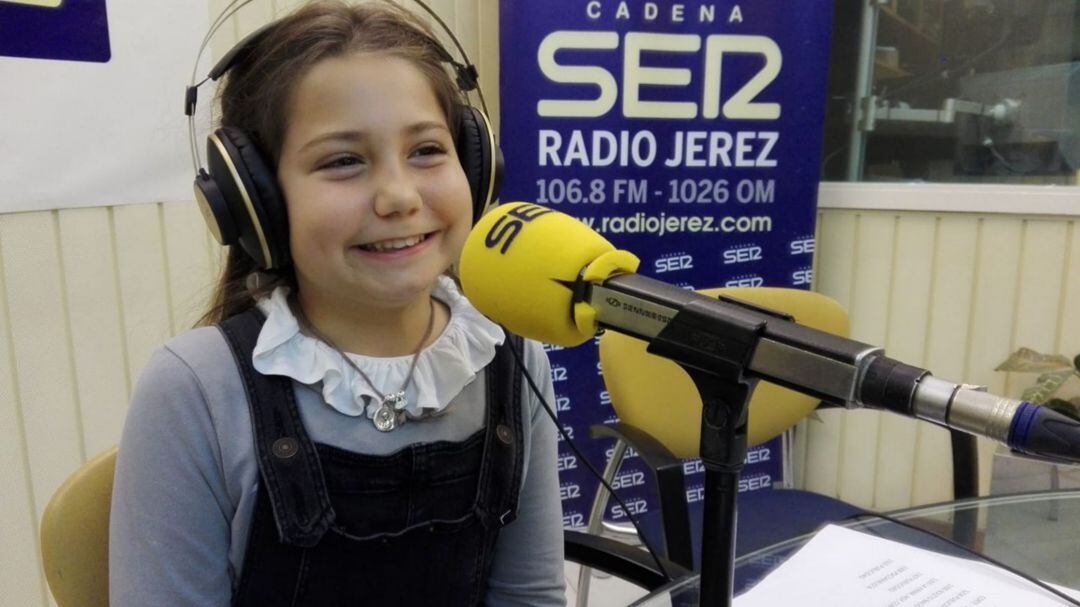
(258, 88)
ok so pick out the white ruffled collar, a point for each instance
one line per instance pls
(443, 369)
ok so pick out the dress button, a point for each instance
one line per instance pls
(504, 434)
(284, 448)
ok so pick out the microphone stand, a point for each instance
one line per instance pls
(718, 372)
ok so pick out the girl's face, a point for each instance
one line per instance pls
(378, 203)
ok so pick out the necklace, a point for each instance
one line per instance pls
(391, 411)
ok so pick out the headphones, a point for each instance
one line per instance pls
(238, 193)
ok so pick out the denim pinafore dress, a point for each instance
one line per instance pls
(334, 527)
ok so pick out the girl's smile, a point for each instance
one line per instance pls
(396, 248)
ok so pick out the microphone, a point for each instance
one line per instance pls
(547, 276)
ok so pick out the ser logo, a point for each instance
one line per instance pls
(742, 254)
(629, 453)
(571, 520)
(746, 280)
(628, 479)
(740, 104)
(558, 374)
(801, 246)
(569, 433)
(693, 467)
(754, 483)
(562, 404)
(508, 226)
(674, 262)
(567, 462)
(758, 456)
(569, 491)
(552, 348)
(695, 494)
(635, 506)
(802, 276)
(605, 398)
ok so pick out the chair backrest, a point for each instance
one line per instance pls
(75, 535)
(656, 395)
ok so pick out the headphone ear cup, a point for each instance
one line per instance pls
(214, 209)
(250, 191)
(480, 158)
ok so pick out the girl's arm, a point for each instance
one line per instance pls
(528, 565)
(169, 531)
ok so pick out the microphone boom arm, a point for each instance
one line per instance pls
(813, 362)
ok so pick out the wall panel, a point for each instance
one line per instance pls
(1069, 309)
(946, 331)
(823, 432)
(190, 264)
(145, 293)
(905, 339)
(20, 575)
(873, 249)
(99, 348)
(41, 346)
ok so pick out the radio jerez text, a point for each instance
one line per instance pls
(692, 149)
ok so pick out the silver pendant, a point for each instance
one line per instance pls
(390, 413)
(384, 419)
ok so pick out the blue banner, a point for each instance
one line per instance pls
(70, 30)
(687, 133)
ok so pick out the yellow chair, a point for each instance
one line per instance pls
(75, 535)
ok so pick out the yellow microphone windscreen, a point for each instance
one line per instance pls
(519, 265)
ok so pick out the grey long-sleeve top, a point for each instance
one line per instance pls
(187, 478)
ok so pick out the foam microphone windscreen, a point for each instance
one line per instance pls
(519, 266)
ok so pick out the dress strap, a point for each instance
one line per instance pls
(288, 464)
(504, 458)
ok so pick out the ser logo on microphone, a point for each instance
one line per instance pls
(507, 227)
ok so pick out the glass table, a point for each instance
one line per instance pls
(1035, 533)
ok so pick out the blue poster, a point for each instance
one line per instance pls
(688, 133)
(70, 30)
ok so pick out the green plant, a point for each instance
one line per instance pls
(1056, 371)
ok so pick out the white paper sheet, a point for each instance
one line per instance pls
(845, 568)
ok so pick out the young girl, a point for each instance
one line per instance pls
(260, 464)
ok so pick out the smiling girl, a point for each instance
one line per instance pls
(346, 429)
